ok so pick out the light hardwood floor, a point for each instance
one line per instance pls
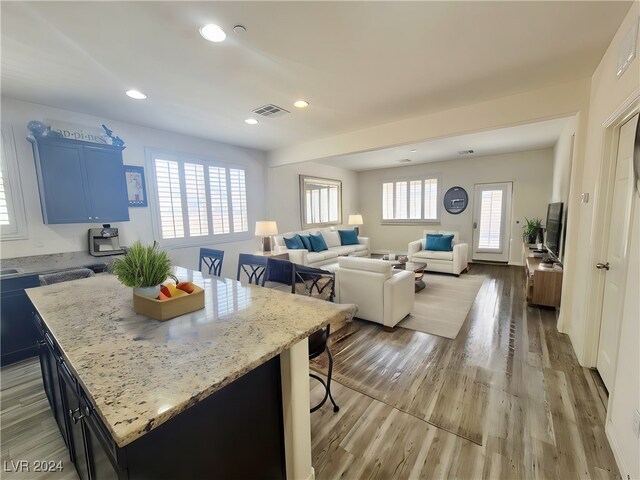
(509, 382)
(509, 387)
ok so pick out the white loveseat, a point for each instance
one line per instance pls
(382, 295)
(454, 262)
(326, 257)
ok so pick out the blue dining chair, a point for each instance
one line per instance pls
(253, 267)
(212, 259)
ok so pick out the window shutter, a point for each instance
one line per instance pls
(4, 208)
(169, 199)
(196, 199)
(431, 199)
(415, 199)
(219, 200)
(490, 220)
(387, 201)
(401, 201)
(238, 200)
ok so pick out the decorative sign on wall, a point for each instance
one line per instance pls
(136, 188)
(455, 200)
(79, 132)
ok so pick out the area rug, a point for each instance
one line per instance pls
(442, 306)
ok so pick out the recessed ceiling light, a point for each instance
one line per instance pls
(212, 32)
(413, 150)
(301, 104)
(136, 94)
(251, 121)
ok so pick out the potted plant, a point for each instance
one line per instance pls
(143, 269)
(532, 230)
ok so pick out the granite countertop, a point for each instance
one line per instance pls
(141, 372)
(38, 264)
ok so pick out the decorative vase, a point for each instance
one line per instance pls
(151, 292)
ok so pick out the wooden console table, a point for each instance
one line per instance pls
(544, 284)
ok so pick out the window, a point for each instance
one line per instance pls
(12, 216)
(490, 220)
(198, 199)
(321, 201)
(411, 200)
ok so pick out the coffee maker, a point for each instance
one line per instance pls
(104, 241)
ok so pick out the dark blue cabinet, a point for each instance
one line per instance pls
(80, 182)
(19, 336)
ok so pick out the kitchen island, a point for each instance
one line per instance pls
(222, 392)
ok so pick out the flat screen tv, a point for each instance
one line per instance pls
(554, 228)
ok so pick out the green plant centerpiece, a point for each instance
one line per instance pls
(143, 268)
(532, 230)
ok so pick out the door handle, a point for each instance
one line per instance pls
(601, 266)
(73, 413)
(475, 224)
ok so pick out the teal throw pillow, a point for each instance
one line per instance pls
(306, 242)
(429, 240)
(317, 242)
(348, 237)
(441, 243)
(294, 243)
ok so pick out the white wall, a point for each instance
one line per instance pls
(283, 192)
(531, 173)
(562, 158)
(44, 239)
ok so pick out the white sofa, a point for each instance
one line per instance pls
(382, 295)
(454, 262)
(318, 259)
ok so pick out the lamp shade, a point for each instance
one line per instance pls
(355, 219)
(266, 228)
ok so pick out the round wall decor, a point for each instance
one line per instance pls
(456, 200)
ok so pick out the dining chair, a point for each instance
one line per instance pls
(212, 259)
(278, 275)
(253, 267)
(317, 283)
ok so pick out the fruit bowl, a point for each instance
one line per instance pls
(169, 307)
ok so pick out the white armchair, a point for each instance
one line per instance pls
(454, 262)
(381, 296)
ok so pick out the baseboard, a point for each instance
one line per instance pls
(622, 466)
(312, 474)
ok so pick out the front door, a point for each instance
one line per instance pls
(491, 221)
(615, 265)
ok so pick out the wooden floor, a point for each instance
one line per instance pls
(509, 387)
(509, 382)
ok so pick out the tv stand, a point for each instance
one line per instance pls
(544, 283)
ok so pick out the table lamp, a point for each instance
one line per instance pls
(355, 220)
(265, 229)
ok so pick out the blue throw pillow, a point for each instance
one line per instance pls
(294, 243)
(348, 237)
(441, 243)
(317, 242)
(306, 242)
(429, 240)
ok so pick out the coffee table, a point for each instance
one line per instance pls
(417, 268)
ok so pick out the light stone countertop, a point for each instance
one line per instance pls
(141, 372)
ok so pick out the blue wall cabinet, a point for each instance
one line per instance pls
(80, 182)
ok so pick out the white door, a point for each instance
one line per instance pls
(491, 221)
(614, 266)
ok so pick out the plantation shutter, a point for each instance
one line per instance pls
(196, 196)
(169, 199)
(431, 199)
(238, 200)
(219, 200)
(490, 220)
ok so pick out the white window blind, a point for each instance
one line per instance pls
(4, 208)
(238, 200)
(198, 199)
(169, 199)
(413, 200)
(490, 220)
(13, 222)
(219, 200)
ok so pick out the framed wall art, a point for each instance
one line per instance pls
(136, 187)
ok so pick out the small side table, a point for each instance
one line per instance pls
(417, 268)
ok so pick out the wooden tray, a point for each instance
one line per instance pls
(171, 308)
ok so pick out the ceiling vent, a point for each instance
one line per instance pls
(271, 110)
(403, 160)
(465, 152)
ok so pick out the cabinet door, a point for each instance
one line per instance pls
(19, 337)
(62, 183)
(77, 449)
(100, 463)
(49, 361)
(106, 184)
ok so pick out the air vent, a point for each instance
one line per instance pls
(271, 110)
(465, 152)
(403, 160)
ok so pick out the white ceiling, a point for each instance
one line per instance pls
(505, 140)
(359, 64)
